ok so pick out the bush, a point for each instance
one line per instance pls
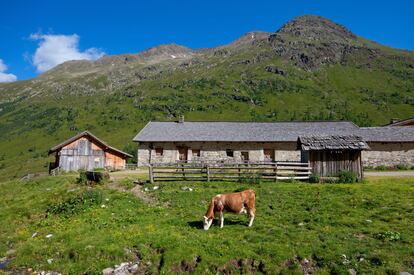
(82, 179)
(380, 168)
(402, 167)
(314, 178)
(76, 204)
(89, 178)
(347, 177)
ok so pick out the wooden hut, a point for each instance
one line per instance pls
(87, 152)
(329, 155)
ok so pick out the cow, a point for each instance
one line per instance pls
(238, 203)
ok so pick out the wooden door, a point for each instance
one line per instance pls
(182, 153)
(269, 154)
(245, 156)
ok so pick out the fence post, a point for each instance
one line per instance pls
(151, 174)
(275, 170)
(208, 172)
(238, 171)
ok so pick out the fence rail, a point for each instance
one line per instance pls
(215, 171)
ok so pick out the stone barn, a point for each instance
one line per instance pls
(167, 142)
(86, 152)
(328, 155)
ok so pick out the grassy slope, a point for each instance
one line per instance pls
(334, 219)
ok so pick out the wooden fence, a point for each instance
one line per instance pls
(219, 171)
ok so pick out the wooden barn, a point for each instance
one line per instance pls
(329, 155)
(87, 152)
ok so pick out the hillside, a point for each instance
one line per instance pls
(310, 69)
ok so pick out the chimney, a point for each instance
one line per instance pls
(181, 119)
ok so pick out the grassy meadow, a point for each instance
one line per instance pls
(300, 227)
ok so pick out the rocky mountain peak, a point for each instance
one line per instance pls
(167, 51)
(311, 41)
(249, 39)
(316, 28)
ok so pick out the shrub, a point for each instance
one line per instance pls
(347, 177)
(82, 179)
(89, 178)
(314, 178)
(380, 168)
(402, 166)
(76, 204)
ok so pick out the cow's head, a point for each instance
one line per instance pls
(207, 222)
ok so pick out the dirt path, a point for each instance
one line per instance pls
(390, 174)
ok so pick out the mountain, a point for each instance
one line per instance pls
(309, 69)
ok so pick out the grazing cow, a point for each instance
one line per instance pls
(238, 203)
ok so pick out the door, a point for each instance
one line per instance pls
(269, 154)
(245, 156)
(182, 153)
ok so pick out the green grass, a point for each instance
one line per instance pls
(294, 221)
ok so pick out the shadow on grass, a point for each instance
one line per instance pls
(199, 224)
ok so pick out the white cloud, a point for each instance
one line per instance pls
(4, 77)
(56, 49)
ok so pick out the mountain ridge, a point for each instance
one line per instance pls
(310, 69)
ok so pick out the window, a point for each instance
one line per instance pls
(196, 152)
(159, 151)
(245, 156)
(229, 153)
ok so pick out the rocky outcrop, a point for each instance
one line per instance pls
(311, 41)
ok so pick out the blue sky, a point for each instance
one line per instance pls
(36, 35)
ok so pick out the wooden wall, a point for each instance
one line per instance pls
(81, 154)
(114, 161)
(328, 163)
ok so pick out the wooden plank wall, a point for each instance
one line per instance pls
(81, 154)
(328, 163)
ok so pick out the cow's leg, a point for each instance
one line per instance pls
(252, 213)
(221, 219)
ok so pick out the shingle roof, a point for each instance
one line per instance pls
(94, 138)
(387, 134)
(266, 131)
(334, 142)
(404, 122)
(240, 131)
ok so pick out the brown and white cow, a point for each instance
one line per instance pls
(238, 203)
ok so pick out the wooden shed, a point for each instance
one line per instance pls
(87, 152)
(329, 155)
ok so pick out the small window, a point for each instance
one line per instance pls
(196, 152)
(230, 153)
(159, 151)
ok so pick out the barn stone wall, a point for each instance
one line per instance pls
(216, 151)
(388, 154)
